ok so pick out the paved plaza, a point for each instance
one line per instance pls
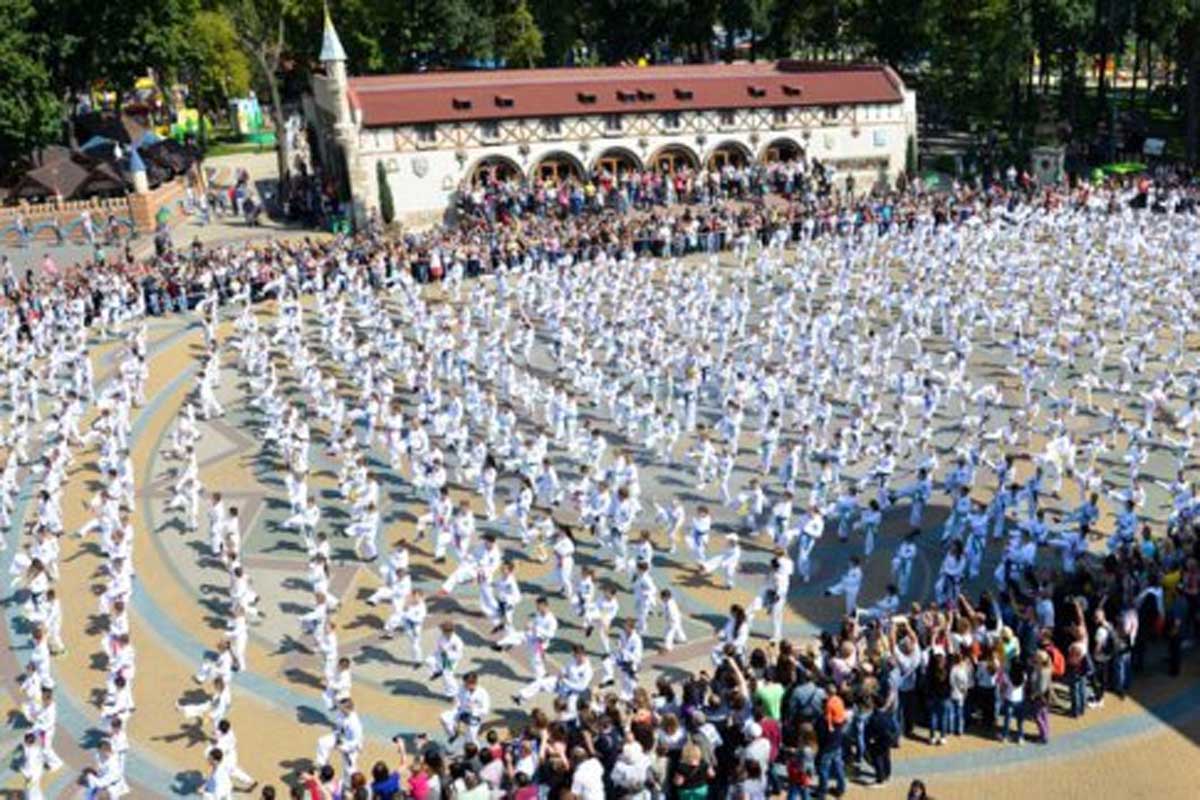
(180, 599)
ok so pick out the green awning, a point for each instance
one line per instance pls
(1124, 168)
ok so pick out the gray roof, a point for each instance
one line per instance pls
(331, 45)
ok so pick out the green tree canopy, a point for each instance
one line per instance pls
(30, 111)
(518, 38)
(217, 65)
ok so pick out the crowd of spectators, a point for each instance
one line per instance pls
(800, 720)
(504, 230)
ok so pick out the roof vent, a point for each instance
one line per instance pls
(644, 95)
(683, 94)
(791, 90)
(626, 96)
(586, 97)
(756, 91)
(461, 103)
(504, 101)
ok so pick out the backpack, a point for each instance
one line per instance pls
(800, 769)
(809, 702)
(1110, 642)
(1058, 664)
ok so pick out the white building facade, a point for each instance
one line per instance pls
(435, 133)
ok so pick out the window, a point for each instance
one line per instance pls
(779, 116)
(726, 118)
(426, 134)
(612, 123)
(489, 131)
(830, 113)
(671, 120)
(552, 127)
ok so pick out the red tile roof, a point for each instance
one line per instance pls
(505, 94)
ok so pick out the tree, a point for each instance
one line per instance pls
(261, 27)
(387, 207)
(625, 30)
(1156, 26)
(1110, 24)
(218, 67)
(146, 35)
(896, 32)
(692, 30)
(1190, 47)
(398, 35)
(749, 17)
(979, 57)
(433, 33)
(518, 39)
(86, 44)
(559, 24)
(30, 113)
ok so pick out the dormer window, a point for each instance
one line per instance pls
(504, 101)
(626, 96)
(790, 90)
(644, 95)
(461, 104)
(683, 94)
(587, 98)
(756, 91)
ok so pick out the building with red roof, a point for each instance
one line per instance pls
(438, 132)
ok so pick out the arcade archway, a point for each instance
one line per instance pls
(557, 167)
(674, 158)
(781, 151)
(729, 154)
(616, 161)
(495, 169)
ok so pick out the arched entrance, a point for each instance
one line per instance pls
(781, 151)
(674, 158)
(729, 154)
(616, 161)
(495, 169)
(557, 167)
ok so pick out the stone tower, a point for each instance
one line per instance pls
(345, 130)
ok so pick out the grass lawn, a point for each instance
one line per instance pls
(233, 148)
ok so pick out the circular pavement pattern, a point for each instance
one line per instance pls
(180, 601)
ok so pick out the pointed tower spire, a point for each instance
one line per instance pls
(331, 45)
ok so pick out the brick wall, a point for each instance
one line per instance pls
(138, 210)
(143, 208)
